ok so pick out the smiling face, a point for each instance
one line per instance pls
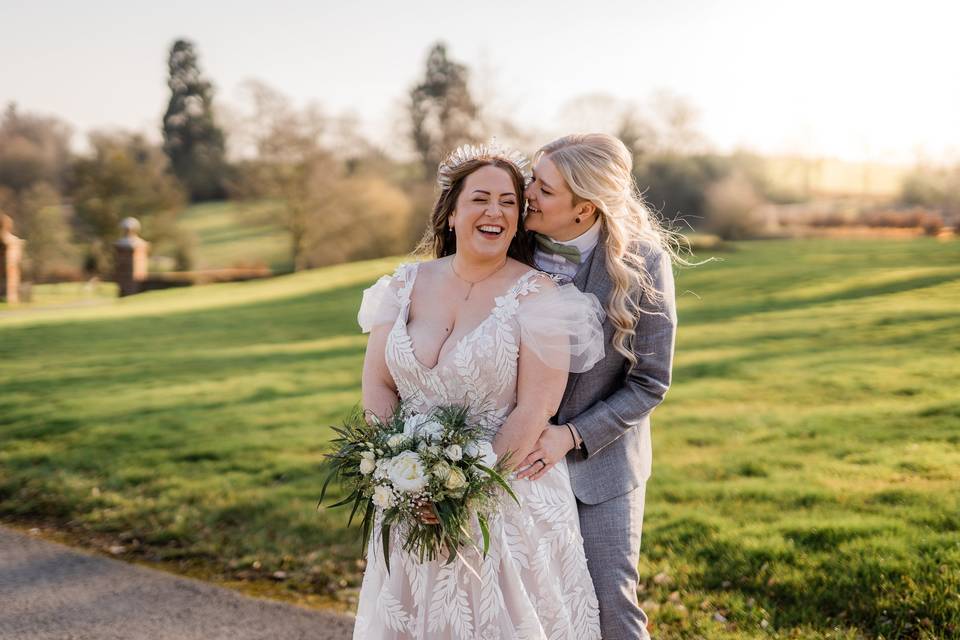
(487, 213)
(552, 208)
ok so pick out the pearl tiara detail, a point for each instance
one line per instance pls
(491, 150)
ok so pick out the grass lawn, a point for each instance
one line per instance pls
(807, 458)
(232, 234)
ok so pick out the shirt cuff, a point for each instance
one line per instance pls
(578, 446)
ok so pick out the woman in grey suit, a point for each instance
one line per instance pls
(593, 228)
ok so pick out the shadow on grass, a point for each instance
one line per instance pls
(721, 312)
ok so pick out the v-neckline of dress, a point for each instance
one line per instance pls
(404, 317)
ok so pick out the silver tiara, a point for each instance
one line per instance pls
(493, 149)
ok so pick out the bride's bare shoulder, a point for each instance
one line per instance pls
(433, 267)
(515, 268)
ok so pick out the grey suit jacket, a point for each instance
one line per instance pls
(610, 404)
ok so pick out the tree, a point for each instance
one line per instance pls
(34, 163)
(334, 203)
(124, 176)
(192, 140)
(291, 166)
(935, 188)
(442, 113)
(47, 231)
(32, 149)
(733, 208)
(676, 184)
(367, 218)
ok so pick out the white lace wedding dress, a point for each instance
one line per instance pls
(534, 581)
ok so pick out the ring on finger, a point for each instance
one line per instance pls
(541, 461)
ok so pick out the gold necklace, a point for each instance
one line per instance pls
(462, 279)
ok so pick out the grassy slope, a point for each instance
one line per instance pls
(806, 457)
(227, 236)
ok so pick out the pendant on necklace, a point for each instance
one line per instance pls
(467, 297)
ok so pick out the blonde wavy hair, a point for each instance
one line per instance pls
(599, 168)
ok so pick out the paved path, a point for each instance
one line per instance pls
(52, 592)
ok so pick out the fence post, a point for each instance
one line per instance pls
(11, 251)
(130, 258)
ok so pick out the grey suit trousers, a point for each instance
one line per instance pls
(611, 539)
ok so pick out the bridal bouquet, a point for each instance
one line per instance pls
(438, 459)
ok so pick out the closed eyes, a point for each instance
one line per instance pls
(505, 203)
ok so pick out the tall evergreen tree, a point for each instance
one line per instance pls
(442, 111)
(191, 138)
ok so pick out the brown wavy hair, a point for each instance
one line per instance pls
(440, 240)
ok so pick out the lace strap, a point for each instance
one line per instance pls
(527, 283)
(406, 274)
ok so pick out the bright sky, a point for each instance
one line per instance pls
(859, 80)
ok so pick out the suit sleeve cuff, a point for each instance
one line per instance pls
(594, 430)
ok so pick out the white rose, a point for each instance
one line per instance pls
(432, 430)
(472, 449)
(407, 473)
(411, 424)
(456, 480)
(441, 470)
(367, 466)
(423, 426)
(453, 452)
(383, 497)
(488, 457)
(396, 440)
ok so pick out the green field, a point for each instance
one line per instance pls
(233, 234)
(807, 458)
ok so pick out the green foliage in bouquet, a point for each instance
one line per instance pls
(442, 460)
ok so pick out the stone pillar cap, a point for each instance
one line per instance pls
(6, 230)
(131, 227)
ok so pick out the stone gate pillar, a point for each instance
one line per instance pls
(11, 251)
(130, 258)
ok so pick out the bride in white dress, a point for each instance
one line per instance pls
(479, 326)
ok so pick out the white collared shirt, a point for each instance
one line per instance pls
(558, 265)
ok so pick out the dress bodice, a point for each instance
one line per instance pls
(480, 370)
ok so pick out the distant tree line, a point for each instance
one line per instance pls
(337, 196)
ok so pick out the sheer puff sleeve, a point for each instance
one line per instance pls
(562, 326)
(380, 304)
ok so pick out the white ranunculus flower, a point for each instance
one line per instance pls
(453, 452)
(367, 465)
(396, 440)
(407, 473)
(456, 479)
(441, 470)
(383, 497)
